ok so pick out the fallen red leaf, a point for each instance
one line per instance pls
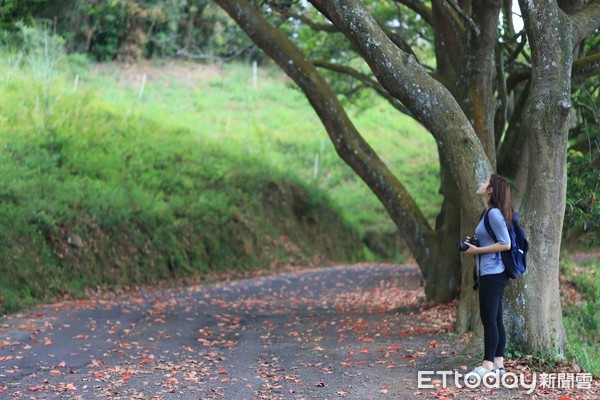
(70, 386)
(146, 360)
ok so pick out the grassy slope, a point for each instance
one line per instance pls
(580, 293)
(274, 121)
(202, 173)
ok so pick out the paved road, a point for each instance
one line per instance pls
(315, 334)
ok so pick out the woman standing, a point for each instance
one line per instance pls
(495, 194)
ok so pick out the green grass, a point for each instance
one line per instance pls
(199, 174)
(274, 121)
(581, 318)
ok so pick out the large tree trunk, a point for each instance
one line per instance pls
(479, 71)
(536, 317)
(534, 313)
(444, 283)
(436, 109)
(465, 59)
(465, 64)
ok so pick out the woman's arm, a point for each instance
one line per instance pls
(492, 248)
(498, 225)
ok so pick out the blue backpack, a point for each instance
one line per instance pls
(515, 259)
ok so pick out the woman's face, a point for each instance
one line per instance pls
(482, 190)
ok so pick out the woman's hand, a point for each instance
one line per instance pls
(493, 248)
(472, 249)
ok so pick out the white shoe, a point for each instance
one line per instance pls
(500, 370)
(482, 372)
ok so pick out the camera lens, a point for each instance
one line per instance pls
(460, 246)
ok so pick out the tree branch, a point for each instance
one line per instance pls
(519, 49)
(312, 24)
(586, 67)
(367, 81)
(593, 113)
(480, 73)
(400, 42)
(513, 144)
(587, 20)
(351, 91)
(451, 5)
(450, 33)
(501, 111)
(508, 16)
(430, 102)
(394, 37)
(397, 39)
(583, 69)
(348, 142)
(420, 8)
(517, 76)
(201, 56)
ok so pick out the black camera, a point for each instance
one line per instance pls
(461, 246)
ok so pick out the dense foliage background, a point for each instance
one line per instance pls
(131, 29)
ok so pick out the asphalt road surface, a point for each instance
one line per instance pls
(352, 332)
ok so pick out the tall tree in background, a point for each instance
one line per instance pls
(493, 99)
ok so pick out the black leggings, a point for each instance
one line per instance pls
(491, 289)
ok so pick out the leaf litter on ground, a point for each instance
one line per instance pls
(310, 333)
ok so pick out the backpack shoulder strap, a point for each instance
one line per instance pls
(490, 231)
(488, 226)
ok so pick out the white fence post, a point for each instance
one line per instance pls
(142, 86)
